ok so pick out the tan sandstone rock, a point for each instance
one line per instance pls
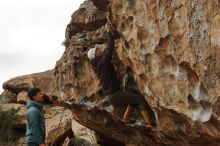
(172, 47)
(7, 97)
(53, 116)
(22, 97)
(22, 110)
(24, 83)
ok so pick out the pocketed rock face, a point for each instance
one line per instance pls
(168, 45)
(173, 49)
(73, 73)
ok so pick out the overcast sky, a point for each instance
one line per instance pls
(31, 33)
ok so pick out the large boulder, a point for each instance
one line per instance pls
(24, 83)
(57, 131)
(22, 97)
(83, 132)
(21, 113)
(172, 48)
(7, 97)
(173, 52)
(87, 17)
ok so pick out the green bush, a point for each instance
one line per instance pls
(7, 119)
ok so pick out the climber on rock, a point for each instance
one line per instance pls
(110, 86)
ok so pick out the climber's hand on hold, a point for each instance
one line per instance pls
(108, 27)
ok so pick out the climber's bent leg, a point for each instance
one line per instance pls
(127, 114)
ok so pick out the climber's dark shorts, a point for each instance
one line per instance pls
(124, 98)
(33, 144)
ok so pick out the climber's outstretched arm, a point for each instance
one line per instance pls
(107, 56)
